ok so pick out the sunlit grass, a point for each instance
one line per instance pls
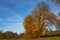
(44, 38)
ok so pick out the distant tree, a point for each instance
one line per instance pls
(21, 34)
(15, 35)
(1, 35)
(8, 34)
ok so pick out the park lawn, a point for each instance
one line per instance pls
(44, 38)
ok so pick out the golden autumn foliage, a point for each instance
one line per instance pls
(51, 16)
(33, 26)
(27, 21)
(35, 23)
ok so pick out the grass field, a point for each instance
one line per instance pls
(45, 38)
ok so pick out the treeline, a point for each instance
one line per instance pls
(8, 34)
(51, 33)
(11, 35)
(45, 33)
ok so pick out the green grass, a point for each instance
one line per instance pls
(45, 38)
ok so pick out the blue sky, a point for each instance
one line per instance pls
(13, 12)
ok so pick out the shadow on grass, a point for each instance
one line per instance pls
(50, 36)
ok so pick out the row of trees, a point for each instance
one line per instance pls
(35, 24)
(51, 33)
(8, 34)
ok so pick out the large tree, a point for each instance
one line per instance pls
(36, 22)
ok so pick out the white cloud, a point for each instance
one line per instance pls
(13, 23)
(15, 27)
